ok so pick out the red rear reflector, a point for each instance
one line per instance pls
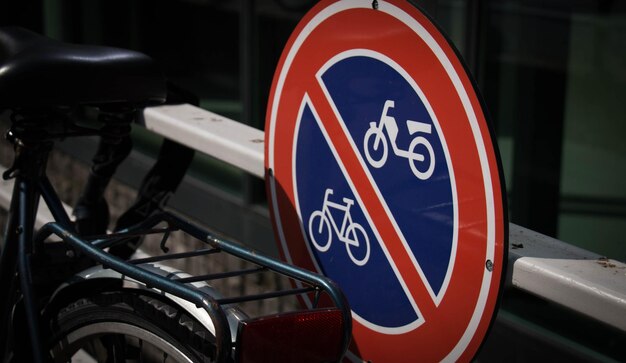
(308, 336)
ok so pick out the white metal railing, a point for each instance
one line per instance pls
(551, 269)
(210, 133)
(554, 270)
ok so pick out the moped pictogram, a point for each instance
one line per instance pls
(376, 146)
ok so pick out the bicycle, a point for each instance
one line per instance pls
(73, 288)
(351, 233)
(379, 143)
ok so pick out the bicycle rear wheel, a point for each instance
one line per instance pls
(128, 326)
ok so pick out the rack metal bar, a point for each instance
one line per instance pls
(134, 231)
(174, 256)
(123, 235)
(264, 296)
(220, 275)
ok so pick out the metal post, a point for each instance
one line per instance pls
(254, 189)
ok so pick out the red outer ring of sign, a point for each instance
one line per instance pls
(343, 31)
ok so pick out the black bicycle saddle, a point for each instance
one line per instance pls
(36, 71)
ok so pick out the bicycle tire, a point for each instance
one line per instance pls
(128, 325)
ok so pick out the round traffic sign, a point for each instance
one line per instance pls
(383, 175)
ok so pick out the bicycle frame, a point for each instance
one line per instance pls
(30, 184)
(22, 246)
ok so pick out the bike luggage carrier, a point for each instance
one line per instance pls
(303, 281)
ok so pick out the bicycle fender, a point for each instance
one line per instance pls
(233, 314)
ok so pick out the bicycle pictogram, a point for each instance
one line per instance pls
(376, 149)
(349, 232)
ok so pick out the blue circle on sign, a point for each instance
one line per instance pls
(396, 139)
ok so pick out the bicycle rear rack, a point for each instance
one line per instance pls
(303, 281)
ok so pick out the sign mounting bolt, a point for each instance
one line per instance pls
(489, 265)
